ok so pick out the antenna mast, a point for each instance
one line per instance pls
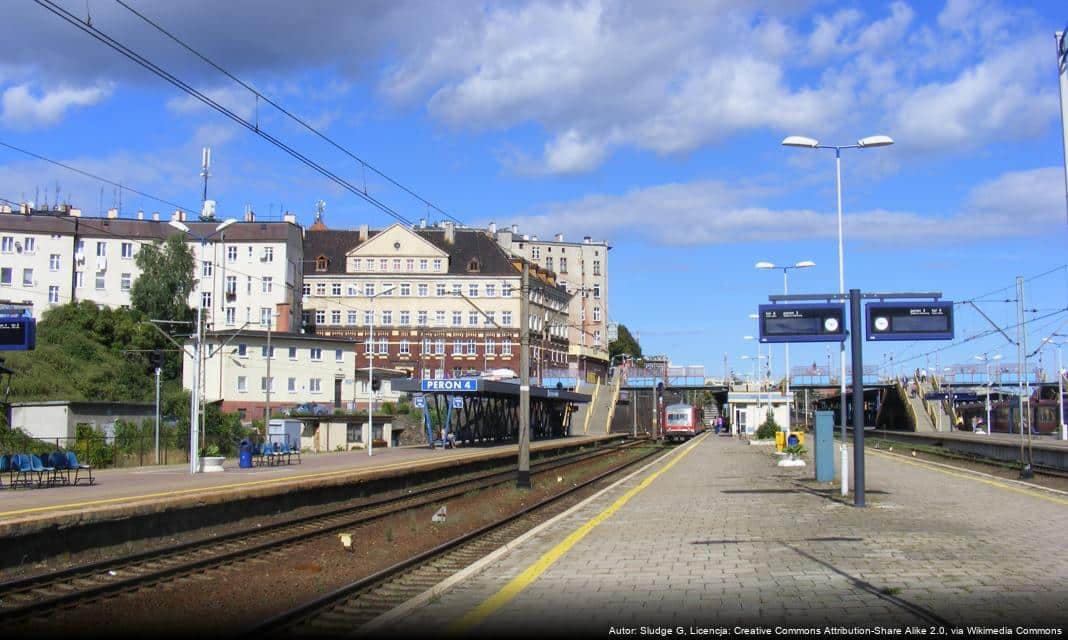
(204, 173)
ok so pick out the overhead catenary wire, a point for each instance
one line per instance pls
(260, 96)
(251, 126)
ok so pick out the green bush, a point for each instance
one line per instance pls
(796, 449)
(768, 430)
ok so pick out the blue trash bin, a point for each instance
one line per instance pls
(244, 450)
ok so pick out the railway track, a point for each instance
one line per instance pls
(33, 596)
(355, 605)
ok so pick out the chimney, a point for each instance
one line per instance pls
(364, 233)
(534, 238)
(450, 233)
(24, 208)
(515, 228)
(585, 240)
(76, 212)
(526, 237)
(283, 325)
(250, 215)
(155, 216)
(140, 214)
(422, 223)
(493, 228)
(290, 218)
(559, 237)
(63, 208)
(113, 213)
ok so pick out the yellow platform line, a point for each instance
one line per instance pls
(934, 466)
(475, 617)
(199, 490)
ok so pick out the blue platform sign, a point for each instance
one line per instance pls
(457, 402)
(451, 384)
(811, 322)
(909, 320)
(419, 402)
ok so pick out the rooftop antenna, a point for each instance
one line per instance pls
(207, 211)
(320, 206)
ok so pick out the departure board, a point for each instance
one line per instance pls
(909, 320)
(819, 322)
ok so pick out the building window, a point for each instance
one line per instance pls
(205, 269)
(437, 265)
(267, 284)
(29, 245)
(471, 349)
(423, 290)
(335, 288)
(440, 347)
(315, 385)
(320, 316)
(78, 279)
(291, 385)
(405, 318)
(597, 337)
(231, 254)
(387, 289)
(506, 348)
(292, 353)
(439, 290)
(368, 318)
(231, 286)
(266, 384)
(490, 320)
(457, 318)
(396, 264)
(404, 348)
(563, 265)
(457, 347)
(339, 355)
(549, 263)
(383, 346)
(27, 277)
(472, 318)
(263, 351)
(306, 288)
(351, 318)
(101, 248)
(355, 264)
(422, 264)
(368, 289)
(406, 289)
(268, 254)
(506, 290)
(316, 354)
(351, 290)
(506, 318)
(125, 282)
(596, 314)
(472, 291)
(231, 316)
(457, 289)
(409, 265)
(387, 318)
(242, 384)
(489, 347)
(320, 288)
(53, 262)
(596, 291)
(335, 316)
(383, 264)
(7, 244)
(265, 317)
(596, 267)
(242, 350)
(53, 294)
(99, 280)
(439, 318)
(535, 253)
(420, 318)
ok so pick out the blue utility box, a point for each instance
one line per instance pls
(824, 446)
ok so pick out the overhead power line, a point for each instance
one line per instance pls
(253, 127)
(292, 116)
(121, 186)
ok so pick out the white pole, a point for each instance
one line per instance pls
(194, 400)
(989, 425)
(1062, 69)
(371, 381)
(786, 357)
(841, 289)
(1060, 392)
(157, 415)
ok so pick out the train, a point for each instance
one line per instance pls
(1042, 413)
(682, 421)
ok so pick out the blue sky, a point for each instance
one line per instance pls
(655, 126)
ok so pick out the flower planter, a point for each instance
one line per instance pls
(790, 460)
(209, 464)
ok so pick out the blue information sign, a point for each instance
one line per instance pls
(457, 402)
(17, 333)
(909, 320)
(419, 402)
(450, 384)
(790, 322)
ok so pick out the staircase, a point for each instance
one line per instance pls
(917, 408)
(595, 417)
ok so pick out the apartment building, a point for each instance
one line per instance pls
(249, 273)
(581, 268)
(248, 369)
(441, 301)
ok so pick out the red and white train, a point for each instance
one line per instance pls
(682, 421)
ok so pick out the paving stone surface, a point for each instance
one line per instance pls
(725, 539)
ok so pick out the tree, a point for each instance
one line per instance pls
(624, 343)
(162, 290)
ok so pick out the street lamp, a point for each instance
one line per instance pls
(804, 264)
(986, 359)
(371, 372)
(1060, 387)
(194, 401)
(811, 143)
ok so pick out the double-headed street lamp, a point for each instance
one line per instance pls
(863, 143)
(194, 402)
(371, 372)
(986, 358)
(804, 264)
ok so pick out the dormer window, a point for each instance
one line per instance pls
(474, 266)
(322, 263)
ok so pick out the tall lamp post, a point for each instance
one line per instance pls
(811, 143)
(986, 358)
(1060, 386)
(756, 364)
(371, 373)
(194, 401)
(804, 264)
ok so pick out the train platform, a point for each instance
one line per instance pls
(121, 494)
(714, 539)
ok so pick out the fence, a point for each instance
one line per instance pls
(101, 450)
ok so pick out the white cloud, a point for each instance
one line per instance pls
(710, 212)
(22, 109)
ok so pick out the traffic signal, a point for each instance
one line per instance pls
(156, 359)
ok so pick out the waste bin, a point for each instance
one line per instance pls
(780, 440)
(244, 450)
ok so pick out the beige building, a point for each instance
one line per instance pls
(581, 268)
(442, 301)
(301, 369)
(250, 272)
